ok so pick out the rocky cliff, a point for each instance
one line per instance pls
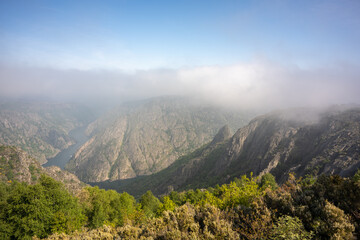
(145, 137)
(17, 165)
(303, 141)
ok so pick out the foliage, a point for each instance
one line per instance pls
(322, 208)
(311, 204)
(185, 222)
(356, 177)
(150, 204)
(166, 205)
(102, 207)
(308, 180)
(38, 210)
(338, 225)
(290, 228)
(268, 180)
(239, 192)
(254, 222)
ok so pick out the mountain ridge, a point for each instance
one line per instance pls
(328, 142)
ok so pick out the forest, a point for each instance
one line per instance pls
(325, 207)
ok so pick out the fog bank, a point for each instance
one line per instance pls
(257, 84)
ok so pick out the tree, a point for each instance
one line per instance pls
(124, 209)
(268, 180)
(291, 228)
(149, 204)
(166, 205)
(40, 209)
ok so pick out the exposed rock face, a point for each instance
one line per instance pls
(223, 134)
(144, 138)
(327, 145)
(40, 129)
(302, 141)
(16, 165)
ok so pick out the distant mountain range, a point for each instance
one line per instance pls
(141, 138)
(302, 141)
(40, 128)
(171, 143)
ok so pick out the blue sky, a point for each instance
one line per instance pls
(146, 34)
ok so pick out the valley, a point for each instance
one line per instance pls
(63, 157)
(189, 163)
(144, 137)
(168, 143)
(41, 128)
(180, 120)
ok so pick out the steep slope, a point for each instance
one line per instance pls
(145, 137)
(300, 141)
(40, 128)
(303, 141)
(16, 165)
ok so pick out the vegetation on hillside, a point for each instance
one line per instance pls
(327, 207)
(17, 165)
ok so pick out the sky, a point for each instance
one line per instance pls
(274, 53)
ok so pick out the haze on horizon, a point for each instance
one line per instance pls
(246, 54)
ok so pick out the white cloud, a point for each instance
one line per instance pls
(258, 84)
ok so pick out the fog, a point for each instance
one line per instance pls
(247, 85)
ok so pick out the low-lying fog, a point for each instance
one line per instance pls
(252, 85)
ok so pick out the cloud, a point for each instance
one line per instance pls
(256, 84)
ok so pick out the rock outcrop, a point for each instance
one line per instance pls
(17, 165)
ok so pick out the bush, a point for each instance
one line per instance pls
(268, 181)
(150, 204)
(108, 207)
(290, 228)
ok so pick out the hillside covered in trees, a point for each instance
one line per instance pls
(327, 207)
(319, 204)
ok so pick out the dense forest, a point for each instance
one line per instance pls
(326, 207)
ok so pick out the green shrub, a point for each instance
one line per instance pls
(290, 228)
(150, 204)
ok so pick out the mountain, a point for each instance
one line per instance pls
(302, 141)
(40, 128)
(144, 137)
(17, 165)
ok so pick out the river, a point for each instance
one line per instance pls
(60, 160)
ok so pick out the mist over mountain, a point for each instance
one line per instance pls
(144, 137)
(258, 84)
